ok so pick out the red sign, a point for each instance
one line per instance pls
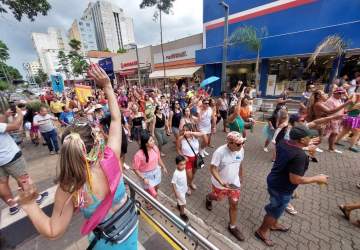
(176, 55)
(129, 64)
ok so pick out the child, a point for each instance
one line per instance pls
(180, 186)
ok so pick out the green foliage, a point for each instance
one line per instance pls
(3, 85)
(121, 51)
(30, 8)
(249, 36)
(106, 50)
(35, 105)
(161, 5)
(78, 63)
(11, 72)
(4, 52)
(41, 78)
(64, 62)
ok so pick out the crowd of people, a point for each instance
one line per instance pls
(91, 140)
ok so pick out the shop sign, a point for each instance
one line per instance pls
(271, 85)
(129, 64)
(176, 55)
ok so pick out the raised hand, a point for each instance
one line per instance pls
(99, 75)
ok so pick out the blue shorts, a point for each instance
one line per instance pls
(278, 203)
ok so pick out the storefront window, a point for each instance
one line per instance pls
(292, 73)
(244, 72)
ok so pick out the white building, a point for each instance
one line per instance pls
(35, 66)
(84, 31)
(47, 46)
(112, 28)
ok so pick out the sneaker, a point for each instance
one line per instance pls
(336, 151)
(52, 152)
(202, 154)
(354, 149)
(236, 233)
(126, 166)
(206, 153)
(319, 150)
(266, 150)
(14, 210)
(208, 204)
(184, 217)
(41, 197)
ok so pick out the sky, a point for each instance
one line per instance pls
(185, 20)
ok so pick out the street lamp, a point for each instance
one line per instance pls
(133, 45)
(226, 31)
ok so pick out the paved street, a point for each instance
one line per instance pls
(319, 224)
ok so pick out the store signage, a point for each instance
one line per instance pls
(176, 55)
(129, 64)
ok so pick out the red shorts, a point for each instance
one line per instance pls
(190, 162)
(219, 194)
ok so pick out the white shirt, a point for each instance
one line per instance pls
(179, 179)
(205, 120)
(352, 88)
(45, 123)
(185, 147)
(8, 147)
(228, 165)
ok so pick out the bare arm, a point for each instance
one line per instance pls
(215, 173)
(241, 173)
(16, 124)
(115, 131)
(178, 145)
(297, 179)
(328, 111)
(323, 120)
(55, 226)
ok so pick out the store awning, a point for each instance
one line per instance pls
(174, 73)
(127, 72)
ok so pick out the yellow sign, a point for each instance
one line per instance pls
(83, 92)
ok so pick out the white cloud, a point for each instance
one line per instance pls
(186, 20)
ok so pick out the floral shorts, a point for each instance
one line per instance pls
(219, 194)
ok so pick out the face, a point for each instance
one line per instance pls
(177, 105)
(187, 112)
(205, 104)
(181, 165)
(337, 96)
(159, 110)
(150, 143)
(305, 141)
(43, 111)
(134, 108)
(234, 146)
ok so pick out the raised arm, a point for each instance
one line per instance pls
(115, 131)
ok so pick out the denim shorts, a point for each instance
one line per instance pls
(278, 203)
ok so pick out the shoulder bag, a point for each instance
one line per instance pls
(199, 161)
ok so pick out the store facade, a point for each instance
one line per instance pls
(126, 66)
(179, 62)
(294, 29)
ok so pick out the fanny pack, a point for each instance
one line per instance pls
(119, 226)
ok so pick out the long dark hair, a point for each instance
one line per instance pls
(144, 139)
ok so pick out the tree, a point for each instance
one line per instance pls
(106, 50)
(4, 85)
(251, 38)
(121, 51)
(161, 6)
(64, 62)
(78, 63)
(41, 77)
(331, 44)
(4, 52)
(29, 8)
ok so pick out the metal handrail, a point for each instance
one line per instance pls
(180, 224)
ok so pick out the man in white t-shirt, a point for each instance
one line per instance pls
(354, 84)
(12, 163)
(226, 177)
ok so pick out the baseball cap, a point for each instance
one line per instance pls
(301, 131)
(235, 137)
(339, 90)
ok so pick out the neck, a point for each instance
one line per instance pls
(296, 144)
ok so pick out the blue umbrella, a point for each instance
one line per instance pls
(209, 80)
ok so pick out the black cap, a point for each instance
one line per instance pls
(301, 131)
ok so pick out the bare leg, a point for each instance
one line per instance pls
(5, 192)
(267, 142)
(342, 134)
(233, 211)
(332, 140)
(355, 137)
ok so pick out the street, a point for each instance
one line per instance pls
(318, 225)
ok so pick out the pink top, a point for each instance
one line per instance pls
(139, 161)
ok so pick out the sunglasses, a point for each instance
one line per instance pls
(237, 144)
(206, 103)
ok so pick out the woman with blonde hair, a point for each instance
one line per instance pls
(90, 179)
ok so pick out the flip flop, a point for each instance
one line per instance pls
(267, 242)
(342, 208)
(281, 229)
(358, 185)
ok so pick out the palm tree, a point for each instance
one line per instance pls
(251, 38)
(162, 6)
(78, 62)
(331, 44)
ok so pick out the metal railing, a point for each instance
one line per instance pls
(187, 229)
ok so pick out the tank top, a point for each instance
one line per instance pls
(186, 149)
(160, 122)
(137, 121)
(176, 119)
(205, 119)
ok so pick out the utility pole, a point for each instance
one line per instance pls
(225, 47)
(138, 64)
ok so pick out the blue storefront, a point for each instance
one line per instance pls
(294, 29)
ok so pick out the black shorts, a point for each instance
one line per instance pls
(223, 114)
